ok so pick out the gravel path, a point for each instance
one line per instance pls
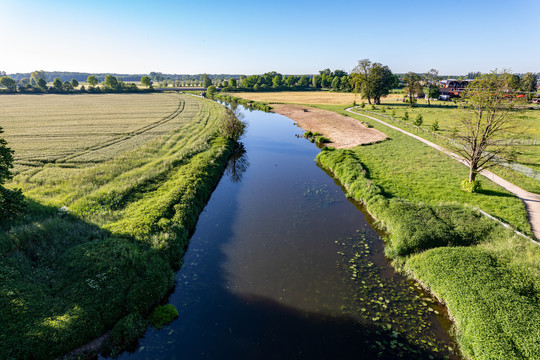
(531, 200)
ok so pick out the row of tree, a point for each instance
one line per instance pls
(37, 84)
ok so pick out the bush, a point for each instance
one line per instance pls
(435, 125)
(406, 116)
(419, 120)
(163, 315)
(471, 187)
(363, 105)
(126, 333)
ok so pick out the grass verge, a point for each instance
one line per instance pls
(486, 275)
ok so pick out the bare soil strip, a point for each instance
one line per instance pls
(343, 131)
(531, 200)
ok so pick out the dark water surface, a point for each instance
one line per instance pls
(283, 266)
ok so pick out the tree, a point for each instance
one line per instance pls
(111, 82)
(361, 81)
(9, 83)
(24, 81)
(206, 81)
(486, 118)
(316, 81)
(413, 86)
(67, 87)
(528, 83)
(336, 83)
(304, 81)
(232, 83)
(291, 80)
(42, 84)
(380, 81)
(232, 126)
(146, 81)
(74, 83)
(211, 91)
(92, 80)
(35, 76)
(57, 84)
(432, 81)
(11, 201)
(277, 80)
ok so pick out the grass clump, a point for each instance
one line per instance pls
(163, 315)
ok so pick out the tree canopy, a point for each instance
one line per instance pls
(92, 80)
(146, 81)
(486, 118)
(9, 83)
(413, 86)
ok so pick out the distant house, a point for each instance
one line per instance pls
(453, 88)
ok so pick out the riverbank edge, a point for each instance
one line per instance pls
(346, 168)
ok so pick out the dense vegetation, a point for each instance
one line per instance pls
(106, 226)
(487, 275)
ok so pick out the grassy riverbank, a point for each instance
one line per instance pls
(487, 275)
(107, 223)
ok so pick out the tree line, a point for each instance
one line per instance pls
(37, 84)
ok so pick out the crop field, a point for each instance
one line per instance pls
(113, 186)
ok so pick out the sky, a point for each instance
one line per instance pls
(252, 37)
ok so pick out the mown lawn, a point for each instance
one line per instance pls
(107, 221)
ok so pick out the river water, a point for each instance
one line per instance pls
(283, 266)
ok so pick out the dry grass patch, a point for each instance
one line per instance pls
(305, 97)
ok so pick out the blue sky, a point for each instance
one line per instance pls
(246, 37)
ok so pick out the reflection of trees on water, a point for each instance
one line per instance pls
(238, 163)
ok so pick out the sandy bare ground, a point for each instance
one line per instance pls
(343, 131)
(531, 200)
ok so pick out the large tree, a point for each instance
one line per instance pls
(9, 83)
(57, 84)
(92, 80)
(146, 81)
(380, 81)
(362, 80)
(206, 82)
(35, 76)
(111, 83)
(528, 83)
(486, 122)
(413, 86)
(431, 79)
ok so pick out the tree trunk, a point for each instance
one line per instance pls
(369, 100)
(472, 174)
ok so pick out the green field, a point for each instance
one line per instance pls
(447, 115)
(114, 185)
(487, 276)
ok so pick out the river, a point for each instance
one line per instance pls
(283, 266)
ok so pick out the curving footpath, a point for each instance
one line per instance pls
(531, 200)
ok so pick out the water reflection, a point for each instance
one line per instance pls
(238, 163)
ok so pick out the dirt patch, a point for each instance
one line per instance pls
(343, 131)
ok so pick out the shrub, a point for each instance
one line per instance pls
(126, 333)
(163, 315)
(406, 116)
(435, 125)
(363, 105)
(471, 187)
(321, 140)
(419, 120)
